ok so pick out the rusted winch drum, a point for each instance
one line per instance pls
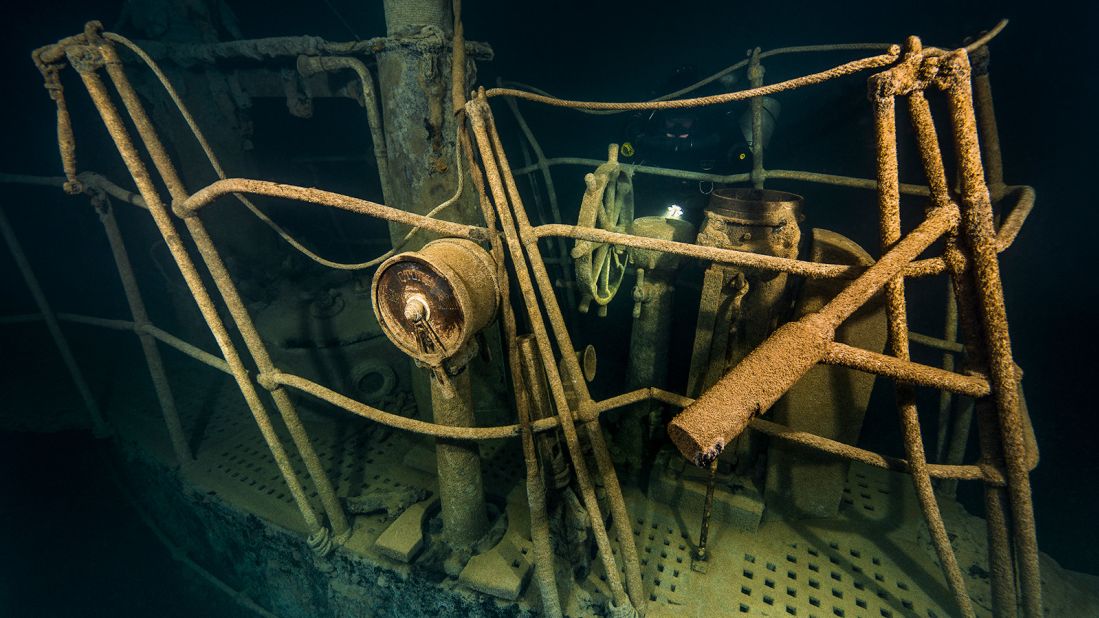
(431, 302)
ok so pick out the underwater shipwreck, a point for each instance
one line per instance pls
(437, 430)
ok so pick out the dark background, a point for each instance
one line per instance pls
(1042, 76)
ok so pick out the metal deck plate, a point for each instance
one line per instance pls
(869, 562)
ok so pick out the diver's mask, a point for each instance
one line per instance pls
(678, 127)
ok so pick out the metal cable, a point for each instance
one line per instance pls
(216, 165)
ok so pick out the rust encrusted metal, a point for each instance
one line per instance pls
(571, 362)
(319, 535)
(884, 88)
(718, 415)
(340, 527)
(480, 119)
(848, 68)
(141, 321)
(309, 65)
(979, 235)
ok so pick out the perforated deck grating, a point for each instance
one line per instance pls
(866, 563)
(837, 581)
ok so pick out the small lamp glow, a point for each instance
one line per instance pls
(674, 212)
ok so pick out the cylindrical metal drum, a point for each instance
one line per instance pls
(431, 302)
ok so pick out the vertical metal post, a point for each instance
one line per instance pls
(986, 123)
(707, 511)
(946, 398)
(526, 367)
(650, 338)
(529, 242)
(417, 110)
(521, 372)
(565, 264)
(889, 203)
(755, 78)
(980, 240)
(481, 120)
(999, 553)
(99, 426)
(458, 463)
(148, 343)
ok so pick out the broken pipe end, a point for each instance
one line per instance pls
(721, 414)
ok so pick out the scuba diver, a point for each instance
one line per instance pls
(713, 140)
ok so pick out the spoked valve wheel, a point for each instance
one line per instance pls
(607, 205)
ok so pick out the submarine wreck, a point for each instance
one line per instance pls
(371, 329)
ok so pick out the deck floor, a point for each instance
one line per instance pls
(867, 562)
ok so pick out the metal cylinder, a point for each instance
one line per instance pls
(461, 489)
(431, 302)
(756, 220)
(755, 207)
(650, 336)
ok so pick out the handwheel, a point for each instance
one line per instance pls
(607, 205)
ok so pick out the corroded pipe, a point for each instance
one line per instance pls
(544, 570)
(988, 473)
(531, 377)
(311, 65)
(811, 177)
(947, 401)
(397, 421)
(999, 554)
(905, 371)
(745, 259)
(986, 122)
(720, 414)
(980, 239)
(220, 274)
(478, 113)
(190, 205)
(755, 78)
(849, 68)
(889, 202)
(619, 514)
(551, 194)
(703, 429)
(458, 467)
(160, 335)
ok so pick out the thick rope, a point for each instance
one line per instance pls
(849, 68)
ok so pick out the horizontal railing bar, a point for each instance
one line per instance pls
(905, 371)
(401, 422)
(747, 259)
(159, 334)
(813, 441)
(813, 177)
(205, 196)
(596, 409)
